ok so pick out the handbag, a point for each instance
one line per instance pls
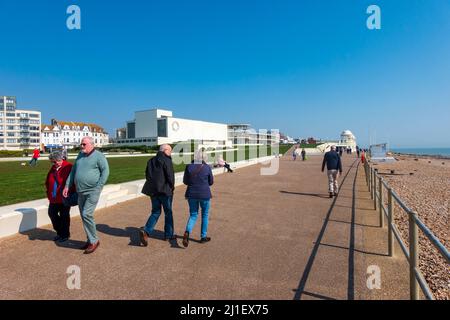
(71, 200)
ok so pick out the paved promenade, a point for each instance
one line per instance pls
(273, 237)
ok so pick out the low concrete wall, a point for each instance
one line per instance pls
(22, 217)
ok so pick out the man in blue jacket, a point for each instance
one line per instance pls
(334, 165)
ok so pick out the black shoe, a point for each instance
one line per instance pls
(143, 237)
(174, 237)
(86, 245)
(205, 239)
(62, 240)
(186, 239)
(57, 238)
(331, 194)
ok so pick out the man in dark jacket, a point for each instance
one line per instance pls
(334, 165)
(159, 186)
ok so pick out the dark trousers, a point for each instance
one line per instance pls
(60, 216)
(227, 166)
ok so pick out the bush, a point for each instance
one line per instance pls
(12, 154)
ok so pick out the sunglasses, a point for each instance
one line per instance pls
(83, 144)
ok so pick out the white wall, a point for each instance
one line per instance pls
(197, 130)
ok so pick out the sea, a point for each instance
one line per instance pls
(445, 152)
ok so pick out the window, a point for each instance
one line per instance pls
(11, 140)
(9, 114)
(33, 115)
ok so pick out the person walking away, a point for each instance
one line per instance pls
(89, 174)
(303, 154)
(198, 177)
(363, 157)
(36, 156)
(334, 166)
(56, 181)
(294, 154)
(159, 186)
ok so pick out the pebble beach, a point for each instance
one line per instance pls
(423, 182)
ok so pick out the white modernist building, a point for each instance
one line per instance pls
(19, 129)
(68, 134)
(158, 126)
(244, 134)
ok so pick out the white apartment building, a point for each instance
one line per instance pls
(68, 134)
(19, 129)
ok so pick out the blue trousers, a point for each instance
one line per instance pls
(158, 202)
(194, 205)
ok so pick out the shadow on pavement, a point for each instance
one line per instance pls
(48, 235)
(307, 194)
(133, 234)
(350, 287)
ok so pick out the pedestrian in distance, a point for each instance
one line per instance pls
(334, 167)
(294, 154)
(89, 174)
(56, 180)
(198, 177)
(159, 186)
(36, 156)
(303, 154)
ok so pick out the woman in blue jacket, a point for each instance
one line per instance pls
(198, 177)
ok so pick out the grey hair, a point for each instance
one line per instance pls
(91, 139)
(333, 147)
(164, 147)
(56, 156)
(200, 156)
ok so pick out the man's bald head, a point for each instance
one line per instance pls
(166, 149)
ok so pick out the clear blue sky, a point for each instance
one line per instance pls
(309, 68)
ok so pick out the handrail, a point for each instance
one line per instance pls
(375, 184)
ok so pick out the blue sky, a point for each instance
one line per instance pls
(308, 68)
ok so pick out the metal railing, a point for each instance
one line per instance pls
(376, 185)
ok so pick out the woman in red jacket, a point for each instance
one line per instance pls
(56, 180)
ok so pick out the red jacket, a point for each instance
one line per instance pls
(61, 176)
(36, 154)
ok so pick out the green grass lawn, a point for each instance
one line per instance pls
(23, 183)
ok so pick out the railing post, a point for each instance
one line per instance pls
(380, 201)
(413, 257)
(371, 183)
(375, 189)
(390, 219)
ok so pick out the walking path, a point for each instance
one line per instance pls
(273, 237)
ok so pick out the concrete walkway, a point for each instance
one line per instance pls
(273, 237)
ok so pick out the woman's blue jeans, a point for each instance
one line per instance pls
(194, 205)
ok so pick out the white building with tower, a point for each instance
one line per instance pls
(348, 140)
